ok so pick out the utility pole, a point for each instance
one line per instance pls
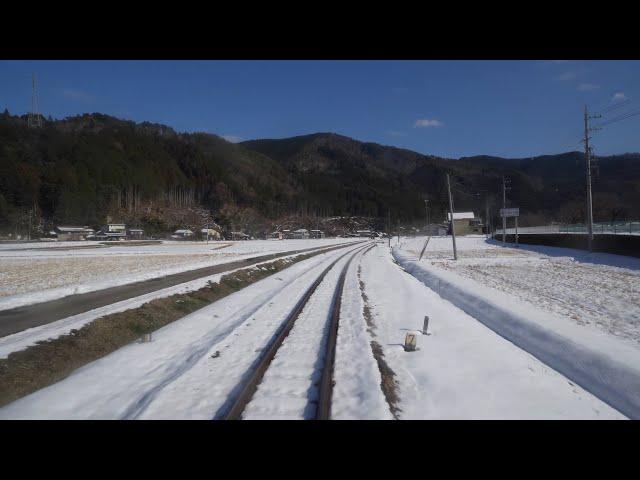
(29, 231)
(453, 229)
(504, 205)
(426, 211)
(486, 215)
(505, 187)
(389, 225)
(587, 154)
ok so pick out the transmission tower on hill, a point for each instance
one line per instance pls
(34, 119)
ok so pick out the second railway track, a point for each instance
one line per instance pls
(248, 388)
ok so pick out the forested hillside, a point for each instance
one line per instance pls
(546, 188)
(94, 168)
(84, 169)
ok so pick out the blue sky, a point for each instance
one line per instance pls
(445, 108)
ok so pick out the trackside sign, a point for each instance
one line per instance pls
(510, 212)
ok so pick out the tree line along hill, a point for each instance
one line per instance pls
(94, 168)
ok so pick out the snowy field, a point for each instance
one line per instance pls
(190, 370)
(462, 369)
(595, 290)
(34, 272)
(192, 365)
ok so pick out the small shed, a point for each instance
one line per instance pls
(136, 233)
(66, 233)
(301, 233)
(465, 223)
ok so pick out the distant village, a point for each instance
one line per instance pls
(465, 223)
(119, 231)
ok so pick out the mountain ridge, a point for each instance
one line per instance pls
(87, 167)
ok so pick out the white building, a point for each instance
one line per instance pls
(461, 216)
(301, 233)
(182, 234)
(465, 223)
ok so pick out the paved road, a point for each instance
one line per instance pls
(18, 319)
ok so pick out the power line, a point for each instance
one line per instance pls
(463, 192)
(615, 106)
(620, 117)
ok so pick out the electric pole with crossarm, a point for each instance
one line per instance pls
(453, 228)
(587, 154)
(505, 187)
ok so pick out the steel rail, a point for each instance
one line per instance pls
(250, 385)
(323, 412)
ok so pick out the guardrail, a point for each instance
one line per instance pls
(620, 228)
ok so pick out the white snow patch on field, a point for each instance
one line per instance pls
(21, 340)
(37, 274)
(597, 290)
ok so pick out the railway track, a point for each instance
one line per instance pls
(250, 385)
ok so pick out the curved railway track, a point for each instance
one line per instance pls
(249, 387)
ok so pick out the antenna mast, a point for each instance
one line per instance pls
(34, 119)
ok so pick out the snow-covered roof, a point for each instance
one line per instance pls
(301, 230)
(183, 231)
(461, 215)
(75, 229)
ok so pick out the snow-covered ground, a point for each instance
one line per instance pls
(192, 365)
(31, 273)
(289, 388)
(591, 289)
(605, 364)
(356, 393)
(21, 340)
(462, 369)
